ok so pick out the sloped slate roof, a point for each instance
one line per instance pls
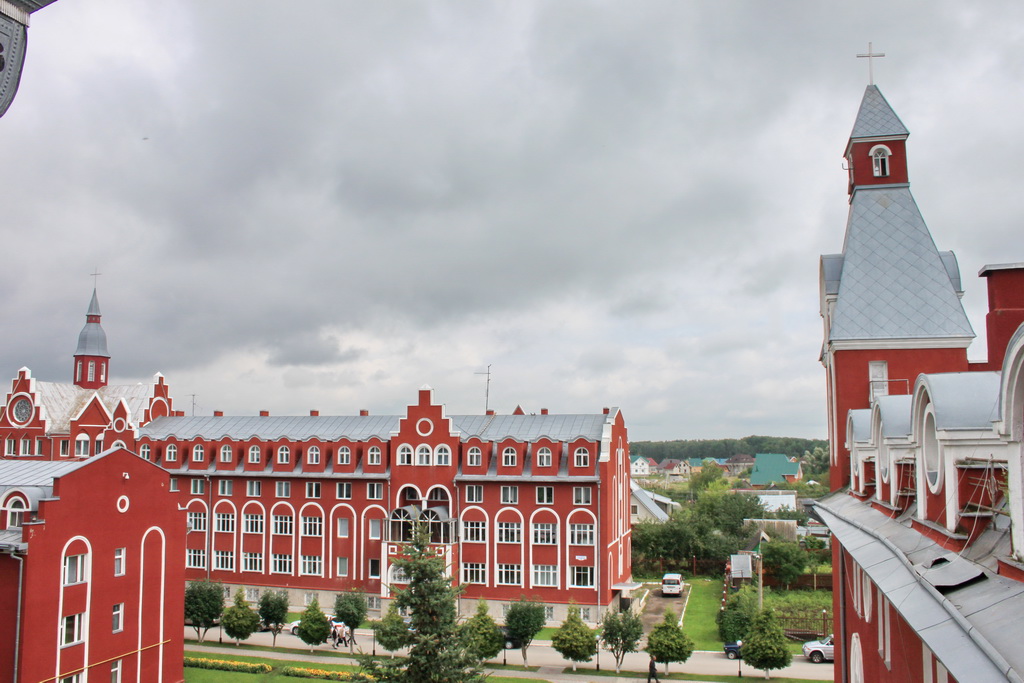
(25, 473)
(361, 428)
(64, 401)
(643, 498)
(876, 118)
(894, 283)
(769, 467)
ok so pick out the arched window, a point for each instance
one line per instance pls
(313, 455)
(405, 454)
(582, 457)
(82, 445)
(92, 370)
(197, 453)
(225, 453)
(444, 455)
(344, 455)
(423, 455)
(544, 457)
(254, 454)
(144, 451)
(930, 451)
(171, 454)
(880, 161)
(15, 513)
(373, 456)
(474, 457)
(508, 457)
(284, 455)
(400, 526)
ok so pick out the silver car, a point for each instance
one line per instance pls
(820, 650)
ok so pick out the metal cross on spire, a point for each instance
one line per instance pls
(871, 55)
(94, 275)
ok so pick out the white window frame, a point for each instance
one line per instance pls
(120, 561)
(374, 529)
(312, 489)
(373, 456)
(253, 523)
(545, 495)
(280, 563)
(581, 495)
(282, 489)
(224, 522)
(254, 455)
(344, 455)
(442, 456)
(474, 531)
(581, 534)
(581, 571)
(544, 457)
(117, 618)
(423, 455)
(144, 451)
(72, 629)
(509, 575)
(581, 457)
(510, 495)
(225, 487)
(312, 526)
(225, 453)
(198, 453)
(313, 455)
(224, 560)
(545, 533)
(545, 575)
(510, 532)
(375, 490)
(343, 527)
(198, 486)
(405, 454)
(474, 572)
(284, 455)
(311, 565)
(342, 566)
(475, 457)
(474, 493)
(196, 520)
(344, 490)
(508, 457)
(195, 558)
(253, 488)
(282, 525)
(76, 570)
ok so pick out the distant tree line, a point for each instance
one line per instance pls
(725, 448)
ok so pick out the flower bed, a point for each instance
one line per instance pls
(320, 674)
(224, 665)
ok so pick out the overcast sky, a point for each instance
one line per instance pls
(609, 203)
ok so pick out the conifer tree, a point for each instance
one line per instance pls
(765, 645)
(314, 629)
(482, 635)
(239, 621)
(667, 641)
(573, 640)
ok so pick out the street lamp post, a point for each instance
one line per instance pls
(739, 658)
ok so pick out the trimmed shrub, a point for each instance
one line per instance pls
(320, 674)
(225, 665)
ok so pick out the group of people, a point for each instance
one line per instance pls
(341, 634)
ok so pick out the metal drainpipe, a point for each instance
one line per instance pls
(209, 525)
(17, 622)
(842, 616)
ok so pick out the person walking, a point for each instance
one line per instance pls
(334, 636)
(652, 671)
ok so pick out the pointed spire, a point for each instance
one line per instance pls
(94, 305)
(876, 118)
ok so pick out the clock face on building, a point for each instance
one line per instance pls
(22, 410)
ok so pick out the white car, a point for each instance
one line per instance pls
(819, 651)
(293, 627)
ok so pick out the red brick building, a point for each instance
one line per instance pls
(926, 517)
(91, 582)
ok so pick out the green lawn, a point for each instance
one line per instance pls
(704, 603)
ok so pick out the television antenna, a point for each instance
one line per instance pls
(487, 388)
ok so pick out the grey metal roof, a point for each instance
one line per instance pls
(832, 272)
(876, 118)
(861, 421)
(92, 340)
(61, 401)
(361, 428)
(967, 615)
(27, 473)
(894, 412)
(963, 400)
(894, 283)
(642, 498)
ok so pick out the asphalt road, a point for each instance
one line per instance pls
(542, 654)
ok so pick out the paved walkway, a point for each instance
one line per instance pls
(552, 667)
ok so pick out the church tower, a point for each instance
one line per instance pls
(890, 302)
(91, 356)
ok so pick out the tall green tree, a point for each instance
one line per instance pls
(574, 640)
(621, 633)
(785, 561)
(668, 642)
(239, 621)
(314, 629)
(524, 620)
(350, 609)
(392, 632)
(765, 645)
(438, 654)
(204, 603)
(273, 611)
(483, 637)
(740, 609)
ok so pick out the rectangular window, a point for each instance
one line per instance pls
(344, 490)
(312, 526)
(99, 446)
(309, 597)
(65, 448)
(545, 575)
(117, 618)
(280, 564)
(196, 521)
(225, 522)
(253, 594)
(475, 493)
(474, 572)
(545, 495)
(195, 558)
(253, 488)
(224, 560)
(26, 446)
(225, 487)
(343, 527)
(283, 489)
(252, 523)
(549, 612)
(119, 557)
(884, 636)
(582, 577)
(312, 565)
(198, 487)
(71, 632)
(174, 484)
(115, 671)
(545, 534)
(375, 529)
(585, 614)
(342, 566)
(581, 534)
(510, 574)
(82, 448)
(74, 569)
(510, 532)
(374, 568)
(474, 532)
(312, 489)
(375, 491)
(510, 495)
(252, 562)
(581, 495)
(282, 525)
(373, 602)
(12, 447)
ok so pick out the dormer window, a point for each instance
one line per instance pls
(880, 161)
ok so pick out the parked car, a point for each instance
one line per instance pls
(293, 627)
(819, 651)
(672, 584)
(732, 650)
(511, 643)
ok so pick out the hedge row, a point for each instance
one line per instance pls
(320, 674)
(224, 665)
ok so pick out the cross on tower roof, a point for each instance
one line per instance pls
(871, 55)
(94, 275)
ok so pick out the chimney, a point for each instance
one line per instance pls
(264, 413)
(314, 413)
(490, 412)
(607, 410)
(1005, 308)
(364, 413)
(218, 413)
(543, 411)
